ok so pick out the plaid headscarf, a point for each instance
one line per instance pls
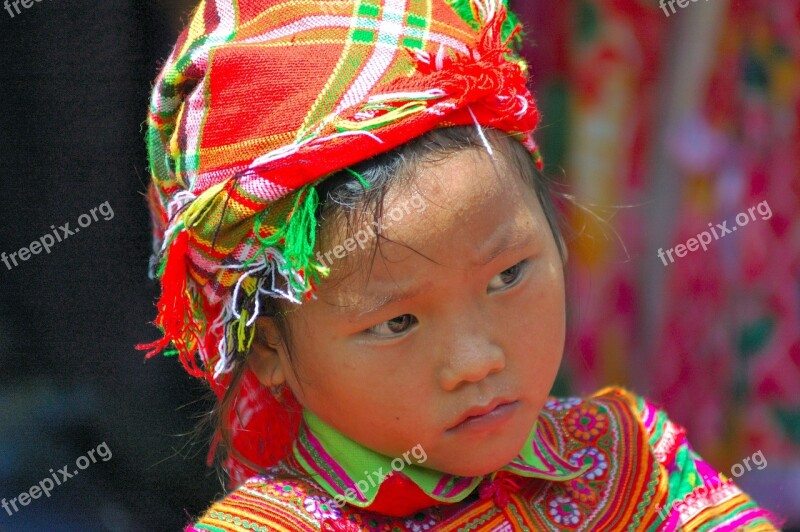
(259, 101)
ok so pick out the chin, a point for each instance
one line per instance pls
(475, 466)
(487, 457)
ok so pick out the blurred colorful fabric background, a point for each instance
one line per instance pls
(663, 123)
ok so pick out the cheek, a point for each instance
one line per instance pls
(336, 376)
(538, 320)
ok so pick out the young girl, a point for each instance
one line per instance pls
(358, 252)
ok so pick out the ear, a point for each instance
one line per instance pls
(264, 358)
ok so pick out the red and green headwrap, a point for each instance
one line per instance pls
(259, 101)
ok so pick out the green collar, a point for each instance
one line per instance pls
(347, 470)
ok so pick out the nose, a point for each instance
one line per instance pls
(469, 352)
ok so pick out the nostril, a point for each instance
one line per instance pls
(471, 365)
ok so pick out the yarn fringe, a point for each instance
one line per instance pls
(297, 234)
(176, 316)
(475, 78)
(478, 12)
(287, 252)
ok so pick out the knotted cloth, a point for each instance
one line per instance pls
(260, 100)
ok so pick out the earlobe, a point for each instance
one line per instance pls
(264, 358)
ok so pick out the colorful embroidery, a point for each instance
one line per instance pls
(587, 423)
(624, 486)
(563, 512)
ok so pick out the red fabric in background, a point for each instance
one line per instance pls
(726, 362)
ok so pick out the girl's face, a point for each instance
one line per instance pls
(463, 315)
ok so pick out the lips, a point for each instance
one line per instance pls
(477, 412)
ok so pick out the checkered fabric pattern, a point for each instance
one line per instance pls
(259, 101)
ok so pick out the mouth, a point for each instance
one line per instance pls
(483, 418)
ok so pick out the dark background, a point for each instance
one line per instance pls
(74, 83)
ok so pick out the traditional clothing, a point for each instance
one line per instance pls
(610, 462)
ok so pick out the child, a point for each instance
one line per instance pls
(358, 252)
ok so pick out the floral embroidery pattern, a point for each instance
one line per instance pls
(284, 489)
(586, 422)
(580, 490)
(563, 511)
(322, 508)
(594, 456)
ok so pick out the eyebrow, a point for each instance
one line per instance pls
(506, 242)
(378, 303)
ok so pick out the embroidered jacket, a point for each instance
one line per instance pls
(609, 462)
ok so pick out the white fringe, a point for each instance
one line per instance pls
(232, 311)
(480, 132)
(430, 94)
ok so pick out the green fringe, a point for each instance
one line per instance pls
(469, 14)
(298, 236)
(465, 10)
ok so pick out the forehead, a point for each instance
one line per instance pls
(453, 211)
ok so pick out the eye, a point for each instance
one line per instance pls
(394, 326)
(509, 277)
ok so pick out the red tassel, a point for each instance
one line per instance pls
(486, 81)
(500, 489)
(175, 309)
